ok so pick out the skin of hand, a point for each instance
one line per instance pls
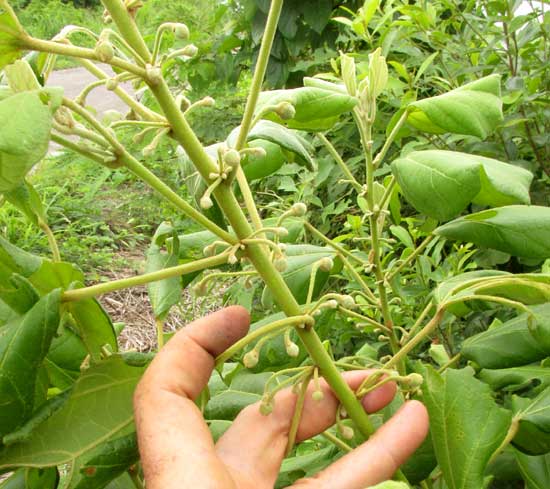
(177, 450)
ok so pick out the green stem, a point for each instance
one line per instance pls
(411, 257)
(125, 283)
(264, 330)
(512, 431)
(138, 108)
(159, 323)
(336, 441)
(135, 479)
(416, 340)
(78, 148)
(340, 162)
(366, 289)
(51, 239)
(127, 27)
(297, 417)
(331, 243)
(71, 51)
(380, 156)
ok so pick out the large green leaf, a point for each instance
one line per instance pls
(163, 293)
(10, 32)
(535, 470)
(286, 138)
(24, 343)
(474, 109)
(100, 409)
(226, 405)
(516, 377)
(317, 109)
(441, 184)
(305, 465)
(511, 344)
(516, 229)
(466, 424)
(25, 125)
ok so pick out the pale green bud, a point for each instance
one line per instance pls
(349, 74)
(326, 264)
(250, 360)
(206, 202)
(299, 209)
(285, 110)
(104, 51)
(232, 158)
(378, 73)
(181, 31)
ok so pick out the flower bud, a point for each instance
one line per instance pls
(201, 288)
(232, 259)
(281, 231)
(207, 102)
(281, 263)
(331, 304)
(250, 360)
(318, 396)
(285, 110)
(347, 301)
(209, 250)
(299, 209)
(105, 51)
(111, 84)
(190, 50)
(64, 117)
(232, 158)
(181, 31)
(346, 432)
(414, 380)
(326, 264)
(292, 349)
(349, 74)
(206, 202)
(266, 407)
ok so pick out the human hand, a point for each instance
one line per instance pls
(177, 451)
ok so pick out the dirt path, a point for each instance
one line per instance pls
(73, 80)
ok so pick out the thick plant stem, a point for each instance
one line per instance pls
(159, 323)
(256, 253)
(127, 27)
(125, 283)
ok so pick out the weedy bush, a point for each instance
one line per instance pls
(380, 295)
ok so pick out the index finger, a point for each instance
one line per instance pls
(175, 444)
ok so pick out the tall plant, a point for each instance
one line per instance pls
(66, 390)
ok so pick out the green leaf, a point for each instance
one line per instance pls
(257, 167)
(218, 427)
(537, 411)
(15, 260)
(305, 465)
(25, 122)
(24, 343)
(227, 404)
(317, 109)
(10, 32)
(94, 326)
(474, 109)
(163, 293)
(467, 426)
(511, 344)
(100, 406)
(280, 135)
(518, 230)
(532, 437)
(516, 377)
(441, 184)
(107, 462)
(27, 200)
(535, 470)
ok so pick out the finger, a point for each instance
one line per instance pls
(377, 459)
(262, 440)
(175, 444)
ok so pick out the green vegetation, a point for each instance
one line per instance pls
(383, 207)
